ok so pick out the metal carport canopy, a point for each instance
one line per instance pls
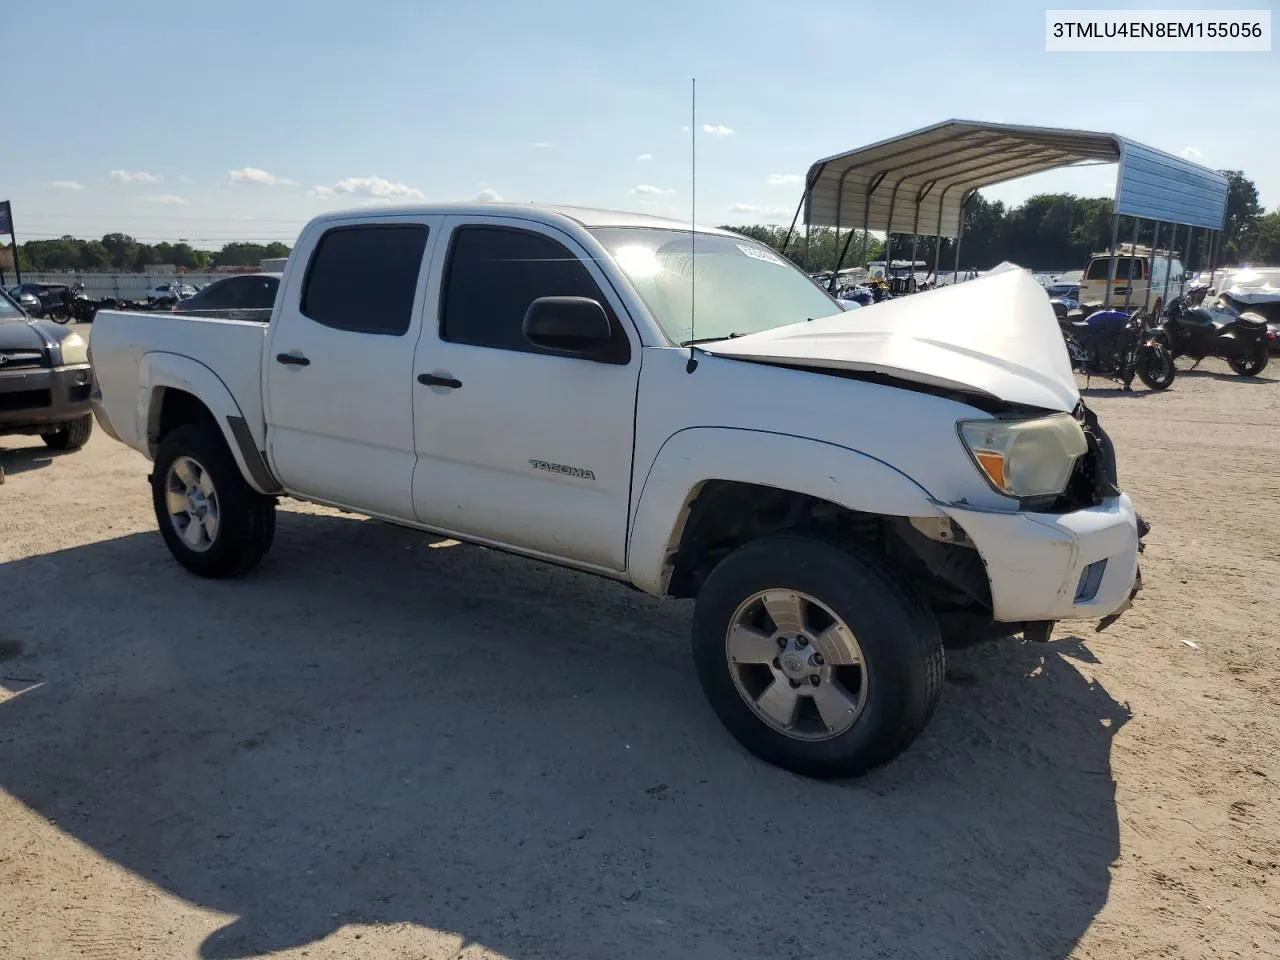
(919, 182)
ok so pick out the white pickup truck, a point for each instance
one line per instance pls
(565, 384)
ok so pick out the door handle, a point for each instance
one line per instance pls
(430, 380)
(292, 359)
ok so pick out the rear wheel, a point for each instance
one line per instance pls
(816, 657)
(213, 523)
(1253, 364)
(70, 436)
(1156, 368)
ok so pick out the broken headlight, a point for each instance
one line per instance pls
(1025, 458)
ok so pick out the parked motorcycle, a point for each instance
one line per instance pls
(1199, 332)
(83, 307)
(1196, 293)
(1113, 345)
(1062, 306)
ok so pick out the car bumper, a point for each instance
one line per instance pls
(35, 398)
(1044, 566)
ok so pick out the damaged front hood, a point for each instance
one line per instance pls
(996, 336)
(1253, 296)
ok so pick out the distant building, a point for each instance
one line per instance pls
(273, 264)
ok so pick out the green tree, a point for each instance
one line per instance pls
(824, 246)
(249, 254)
(1243, 210)
(94, 255)
(1266, 239)
(121, 250)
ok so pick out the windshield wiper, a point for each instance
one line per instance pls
(694, 343)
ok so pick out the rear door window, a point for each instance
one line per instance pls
(363, 278)
(1124, 265)
(260, 293)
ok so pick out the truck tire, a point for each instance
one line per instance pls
(815, 656)
(70, 436)
(214, 523)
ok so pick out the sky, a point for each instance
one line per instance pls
(241, 120)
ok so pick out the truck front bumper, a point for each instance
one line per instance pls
(37, 399)
(1047, 566)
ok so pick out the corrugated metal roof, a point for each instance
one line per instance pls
(917, 182)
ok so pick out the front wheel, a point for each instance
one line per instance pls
(816, 657)
(213, 523)
(1156, 368)
(1253, 364)
(70, 436)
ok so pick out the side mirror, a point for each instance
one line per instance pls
(577, 326)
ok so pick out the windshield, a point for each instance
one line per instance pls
(742, 287)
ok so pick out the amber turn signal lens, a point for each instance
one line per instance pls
(992, 465)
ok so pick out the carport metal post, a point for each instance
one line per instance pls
(866, 214)
(1168, 265)
(1182, 283)
(843, 252)
(835, 271)
(1111, 269)
(1151, 265)
(802, 205)
(915, 233)
(964, 202)
(1133, 246)
(937, 247)
(888, 232)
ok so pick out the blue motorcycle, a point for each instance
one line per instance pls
(1115, 345)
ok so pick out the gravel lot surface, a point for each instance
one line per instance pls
(377, 747)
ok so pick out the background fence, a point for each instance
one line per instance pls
(126, 286)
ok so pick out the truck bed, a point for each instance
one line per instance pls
(121, 341)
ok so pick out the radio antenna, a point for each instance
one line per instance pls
(692, 365)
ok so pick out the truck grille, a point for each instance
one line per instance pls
(25, 400)
(17, 359)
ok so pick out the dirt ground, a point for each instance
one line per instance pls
(377, 747)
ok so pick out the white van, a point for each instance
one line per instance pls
(1137, 278)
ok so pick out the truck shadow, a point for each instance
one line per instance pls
(14, 460)
(371, 730)
(1117, 392)
(1218, 375)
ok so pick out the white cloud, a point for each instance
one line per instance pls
(254, 175)
(542, 145)
(782, 179)
(169, 198)
(645, 156)
(185, 179)
(67, 185)
(649, 190)
(716, 129)
(684, 129)
(487, 195)
(1191, 153)
(141, 176)
(765, 213)
(368, 187)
